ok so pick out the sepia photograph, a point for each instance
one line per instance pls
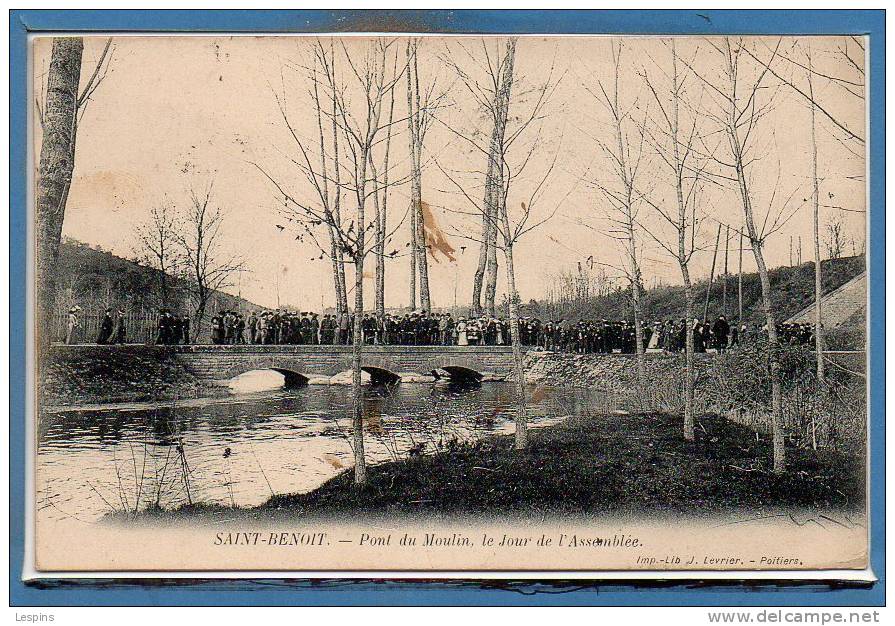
(449, 305)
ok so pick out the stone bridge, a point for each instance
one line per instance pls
(298, 363)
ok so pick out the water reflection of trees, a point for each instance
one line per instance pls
(172, 454)
(422, 407)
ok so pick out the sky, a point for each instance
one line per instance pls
(179, 112)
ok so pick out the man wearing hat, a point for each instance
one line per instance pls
(120, 327)
(105, 328)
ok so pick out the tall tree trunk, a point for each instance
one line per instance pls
(479, 276)
(756, 243)
(414, 189)
(740, 288)
(484, 244)
(416, 148)
(682, 257)
(626, 208)
(683, 262)
(499, 206)
(339, 284)
(334, 261)
(425, 298)
(413, 231)
(487, 265)
(378, 238)
(491, 259)
(496, 165)
(361, 171)
(357, 390)
(818, 283)
(773, 344)
(54, 174)
(521, 437)
(631, 240)
(708, 289)
(163, 282)
(636, 289)
(382, 216)
(334, 247)
(201, 306)
(689, 374)
(422, 263)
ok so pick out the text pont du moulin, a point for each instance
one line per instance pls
(503, 541)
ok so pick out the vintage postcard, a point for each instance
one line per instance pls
(560, 306)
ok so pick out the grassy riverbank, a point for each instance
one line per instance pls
(614, 463)
(104, 374)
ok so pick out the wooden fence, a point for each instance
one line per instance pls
(140, 327)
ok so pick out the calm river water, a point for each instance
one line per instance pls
(241, 449)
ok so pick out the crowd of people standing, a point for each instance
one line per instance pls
(584, 336)
(112, 326)
(173, 329)
(293, 328)
(418, 328)
(604, 336)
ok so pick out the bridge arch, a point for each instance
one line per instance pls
(243, 379)
(291, 379)
(381, 376)
(462, 367)
(460, 373)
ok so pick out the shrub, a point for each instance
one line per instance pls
(816, 414)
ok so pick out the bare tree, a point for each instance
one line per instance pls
(850, 84)
(381, 205)
(158, 241)
(625, 154)
(420, 110)
(743, 102)
(494, 178)
(491, 95)
(333, 208)
(676, 144)
(59, 113)
(487, 263)
(362, 135)
(359, 94)
(815, 202)
(847, 82)
(569, 291)
(324, 176)
(834, 240)
(209, 268)
(510, 226)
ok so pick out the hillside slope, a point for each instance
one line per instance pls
(94, 279)
(792, 291)
(839, 305)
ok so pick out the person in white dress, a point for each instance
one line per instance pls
(461, 333)
(72, 324)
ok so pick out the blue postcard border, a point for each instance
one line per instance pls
(366, 592)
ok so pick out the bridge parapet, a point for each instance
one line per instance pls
(215, 363)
